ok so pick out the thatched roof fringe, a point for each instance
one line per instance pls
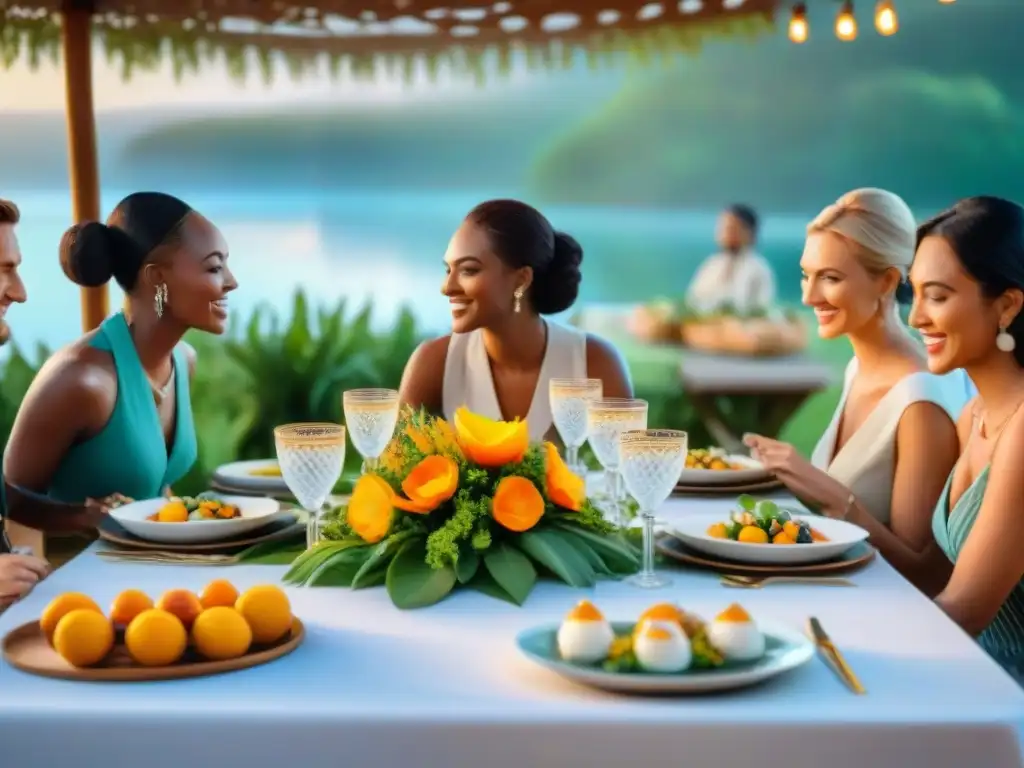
(145, 47)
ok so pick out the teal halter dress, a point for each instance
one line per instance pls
(1003, 639)
(129, 455)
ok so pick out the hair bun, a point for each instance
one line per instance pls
(92, 253)
(904, 293)
(557, 288)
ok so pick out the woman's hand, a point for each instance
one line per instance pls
(18, 575)
(812, 486)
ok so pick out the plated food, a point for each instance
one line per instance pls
(764, 522)
(218, 627)
(666, 650)
(716, 466)
(763, 533)
(203, 519)
(205, 506)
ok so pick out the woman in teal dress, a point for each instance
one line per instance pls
(110, 415)
(968, 278)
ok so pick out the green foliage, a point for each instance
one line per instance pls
(15, 378)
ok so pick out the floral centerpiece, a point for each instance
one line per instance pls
(468, 504)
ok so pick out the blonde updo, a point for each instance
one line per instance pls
(879, 224)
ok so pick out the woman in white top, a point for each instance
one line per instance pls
(892, 442)
(505, 267)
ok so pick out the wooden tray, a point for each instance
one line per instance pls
(851, 560)
(113, 533)
(763, 486)
(27, 649)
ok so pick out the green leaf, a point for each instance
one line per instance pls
(467, 564)
(594, 559)
(746, 502)
(373, 569)
(271, 553)
(512, 570)
(310, 560)
(412, 583)
(548, 548)
(485, 583)
(340, 568)
(616, 553)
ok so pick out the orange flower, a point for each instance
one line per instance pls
(517, 504)
(565, 487)
(491, 443)
(371, 510)
(430, 484)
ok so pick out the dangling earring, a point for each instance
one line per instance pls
(518, 305)
(160, 300)
(1004, 341)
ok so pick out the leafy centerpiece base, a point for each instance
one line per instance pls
(472, 504)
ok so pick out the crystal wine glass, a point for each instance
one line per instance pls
(371, 416)
(652, 460)
(311, 457)
(607, 418)
(569, 398)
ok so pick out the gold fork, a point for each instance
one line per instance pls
(169, 558)
(756, 582)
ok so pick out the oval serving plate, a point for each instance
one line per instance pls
(785, 650)
(254, 513)
(691, 529)
(751, 472)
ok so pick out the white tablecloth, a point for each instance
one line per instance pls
(444, 686)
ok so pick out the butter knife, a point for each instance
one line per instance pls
(834, 657)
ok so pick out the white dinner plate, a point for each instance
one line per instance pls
(692, 529)
(238, 474)
(254, 513)
(751, 472)
(785, 650)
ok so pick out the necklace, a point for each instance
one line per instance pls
(160, 393)
(981, 425)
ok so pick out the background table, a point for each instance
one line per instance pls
(444, 686)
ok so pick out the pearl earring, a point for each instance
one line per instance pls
(1004, 341)
(518, 305)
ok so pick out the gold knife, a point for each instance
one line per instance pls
(833, 657)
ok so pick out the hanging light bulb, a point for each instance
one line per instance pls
(798, 29)
(846, 24)
(886, 21)
(947, 2)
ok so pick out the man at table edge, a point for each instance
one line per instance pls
(18, 572)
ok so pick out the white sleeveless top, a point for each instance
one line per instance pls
(866, 464)
(468, 381)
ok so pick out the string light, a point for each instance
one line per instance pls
(798, 29)
(846, 24)
(886, 21)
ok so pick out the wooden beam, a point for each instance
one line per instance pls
(76, 33)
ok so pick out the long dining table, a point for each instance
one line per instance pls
(445, 686)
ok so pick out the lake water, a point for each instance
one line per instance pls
(384, 247)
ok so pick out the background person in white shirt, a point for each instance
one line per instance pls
(737, 277)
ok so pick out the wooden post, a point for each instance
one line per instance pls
(76, 33)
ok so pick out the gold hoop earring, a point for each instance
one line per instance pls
(518, 305)
(160, 299)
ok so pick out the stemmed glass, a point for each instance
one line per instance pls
(652, 460)
(371, 416)
(311, 457)
(569, 398)
(607, 418)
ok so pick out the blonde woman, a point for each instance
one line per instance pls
(892, 442)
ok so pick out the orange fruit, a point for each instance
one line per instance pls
(156, 638)
(83, 637)
(751, 534)
(782, 538)
(219, 592)
(718, 531)
(174, 512)
(182, 603)
(268, 612)
(128, 605)
(221, 633)
(62, 605)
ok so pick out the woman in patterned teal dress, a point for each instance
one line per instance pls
(110, 414)
(968, 278)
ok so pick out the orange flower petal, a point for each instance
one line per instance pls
(517, 504)
(565, 487)
(491, 443)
